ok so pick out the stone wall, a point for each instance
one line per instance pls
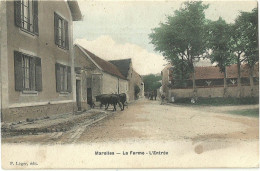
(213, 92)
(134, 79)
(33, 112)
(111, 83)
(139, 82)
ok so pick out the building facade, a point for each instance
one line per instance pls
(37, 75)
(166, 79)
(97, 76)
(125, 66)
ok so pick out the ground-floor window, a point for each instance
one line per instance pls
(63, 78)
(27, 72)
(28, 67)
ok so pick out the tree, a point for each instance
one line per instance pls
(182, 37)
(249, 32)
(151, 82)
(180, 73)
(219, 44)
(245, 42)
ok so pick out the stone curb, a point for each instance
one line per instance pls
(59, 127)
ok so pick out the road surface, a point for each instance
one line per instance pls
(190, 130)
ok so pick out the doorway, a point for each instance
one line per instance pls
(89, 96)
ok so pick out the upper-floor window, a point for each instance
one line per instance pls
(26, 15)
(61, 32)
(28, 75)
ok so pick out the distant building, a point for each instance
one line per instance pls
(166, 79)
(125, 66)
(95, 76)
(37, 75)
(210, 82)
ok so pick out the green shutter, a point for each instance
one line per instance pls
(66, 34)
(17, 13)
(56, 29)
(35, 17)
(18, 71)
(57, 72)
(38, 74)
(69, 78)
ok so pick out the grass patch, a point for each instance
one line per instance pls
(220, 101)
(245, 112)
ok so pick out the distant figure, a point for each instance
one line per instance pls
(155, 94)
(151, 95)
(162, 97)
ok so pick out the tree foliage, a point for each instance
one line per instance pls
(246, 29)
(219, 43)
(187, 36)
(180, 73)
(182, 37)
(244, 42)
(151, 82)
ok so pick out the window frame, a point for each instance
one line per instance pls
(27, 21)
(64, 78)
(63, 82)
(61, 32)
(31, 78)
(28, 73)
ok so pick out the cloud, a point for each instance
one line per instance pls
(106, 48)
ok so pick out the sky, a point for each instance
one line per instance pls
(120, 29)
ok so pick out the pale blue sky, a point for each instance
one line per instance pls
(131, 21)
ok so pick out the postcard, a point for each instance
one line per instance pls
(129, 84)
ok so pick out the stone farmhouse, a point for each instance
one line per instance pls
(125, 66)
(37, 62)
(210, 82)
(95, 76)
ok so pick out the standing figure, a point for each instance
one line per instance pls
(155, 94)
(162, 97)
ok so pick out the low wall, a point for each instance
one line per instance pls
(213, 92)
(33, 112)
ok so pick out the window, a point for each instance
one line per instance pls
(63, 78)
(26, 15)
(28, 68)
(61, 32)
(28, 75)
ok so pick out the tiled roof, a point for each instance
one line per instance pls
(105, 65)
(123, 65)
(232, 71)
(212, 72)
(208, 72)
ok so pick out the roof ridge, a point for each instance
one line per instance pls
(105, 65)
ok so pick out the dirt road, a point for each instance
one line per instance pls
(148, 120)
(196, 129)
